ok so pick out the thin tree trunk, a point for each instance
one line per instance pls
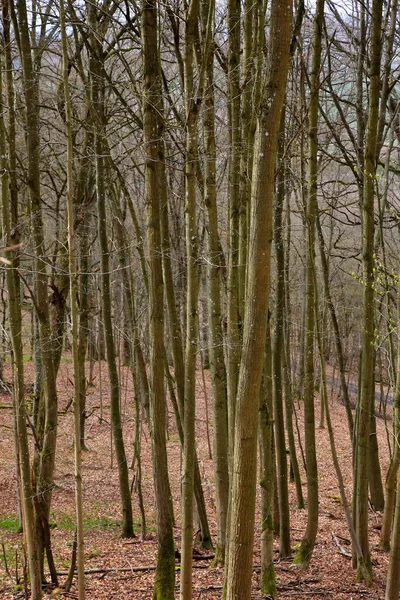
(287, 366)
(72, 273)
(164, 584)
(45, 459)
(191, 305)
(335, 325)
(9, 213)
(234, 324)
(393, 575)
(367, 357)
(267, 474)
(99, 123)
(278, 350)
(304, 553)
(217, 361)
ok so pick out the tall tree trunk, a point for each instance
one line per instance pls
(72, 272)
(287, 365)
(9, 213)
(267, 474)
(234, 324)
(393, 575)
(217, 361)
(99, 123)
(367, 360)
(304, 553)
(242, 503)
(164, 584)
(45, 459)
(390, 484)
(278, 351)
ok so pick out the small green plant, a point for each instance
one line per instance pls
(10, 523)
(93, 554)
(66, 521)
(98, 522)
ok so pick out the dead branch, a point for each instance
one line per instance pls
(339, 546)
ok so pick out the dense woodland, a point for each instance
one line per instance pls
(208, 190)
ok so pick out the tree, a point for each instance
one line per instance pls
(242, 502)
(72, 264)
(9, 213)
(99, 128)
(367, 352)
(304, 553)
(164, 584)
(44, 460)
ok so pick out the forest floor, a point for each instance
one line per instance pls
(330, 572)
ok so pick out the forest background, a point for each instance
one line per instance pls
(202, 192)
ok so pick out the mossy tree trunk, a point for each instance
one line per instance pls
(242, 499)
(390, 484)
(393, 498)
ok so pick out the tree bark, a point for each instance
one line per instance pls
(9, 213)
(217, 360)
(164, 584)
(367, 357)
(99, 125)
(242, 503)
(304, 553)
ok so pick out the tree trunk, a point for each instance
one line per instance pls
(267, 474)
(335, 325)
(304, 553)
(99, 123)
(164, 584)
(367, 358)
(47, 424)
(9, 213)
(234, 324)
(242, 503)
(217, 360)
(392, 504)
(278, 350)
(72, 272)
